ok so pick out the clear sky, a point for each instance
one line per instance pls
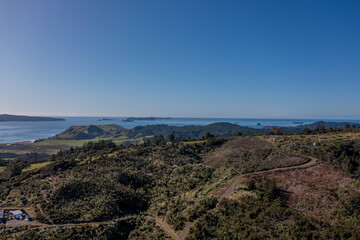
(188, 58)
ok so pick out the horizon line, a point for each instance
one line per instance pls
(114, 116)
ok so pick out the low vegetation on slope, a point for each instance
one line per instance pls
(107, 191)
(251, 154)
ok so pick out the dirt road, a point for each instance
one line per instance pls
(227, 194)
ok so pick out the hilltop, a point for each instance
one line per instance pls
(12, 118)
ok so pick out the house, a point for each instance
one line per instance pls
(18, 214)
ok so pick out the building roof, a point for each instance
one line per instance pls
(16, 212)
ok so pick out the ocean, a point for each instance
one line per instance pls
(26, 131)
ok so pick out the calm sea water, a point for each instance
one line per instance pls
(24, 131)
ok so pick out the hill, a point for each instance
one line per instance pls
(92, 132)
(76, 136)
(321, 124)
(246, 187)
(9, 118)
(221, 129)
(114, 131)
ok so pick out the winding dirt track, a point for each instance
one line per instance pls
(227, 193)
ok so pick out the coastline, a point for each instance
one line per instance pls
(19, 142)
(26, 132)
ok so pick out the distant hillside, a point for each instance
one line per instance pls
(313, 126)
(113, 131)
(222, 129)
(12, 118)
(91, 132)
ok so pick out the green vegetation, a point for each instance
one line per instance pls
(118, 229)
(36, 166)
(79, 143)
(114, 131)
(104, 190)
(260, 218)
(92, 132)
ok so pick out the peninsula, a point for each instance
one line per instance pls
(18, 118)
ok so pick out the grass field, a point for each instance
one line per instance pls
(194, 142)
(2, 169)
(36, 166)
(79, 143)
(70, 143)
(49, 146)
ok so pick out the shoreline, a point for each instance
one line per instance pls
(39, 131)
(19, 142)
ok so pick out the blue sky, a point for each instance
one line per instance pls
(292, 59)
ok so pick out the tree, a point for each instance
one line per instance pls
(351, 206)
(239, 134)
(251, 185)
(276, 131)
(171, 138)
(305, 131)
(320, 127)
(209, 136)
(13, 169)
(270, 188)
(159, 140)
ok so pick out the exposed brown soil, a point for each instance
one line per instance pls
(314, 191)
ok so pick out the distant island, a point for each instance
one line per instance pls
(106, 119)
(19, 118)
(132, 119)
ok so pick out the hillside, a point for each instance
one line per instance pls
(114, 131)
(12, 118)
(76, 136)
(246, 187)
(221, 129)
(92, 132)
(321, 124)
